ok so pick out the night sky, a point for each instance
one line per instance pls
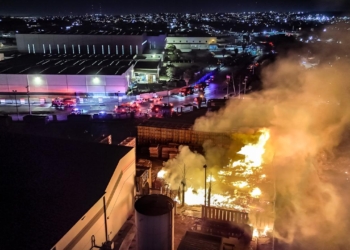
(64, 7)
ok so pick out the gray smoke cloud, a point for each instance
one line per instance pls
(186, 166)
(308, 114)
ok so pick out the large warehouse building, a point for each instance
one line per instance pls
(63, 194)
(94, 42)
(97, 74)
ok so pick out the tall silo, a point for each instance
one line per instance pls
(155, 222)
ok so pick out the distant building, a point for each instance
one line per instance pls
(185, 43)
(63, 194)
(146, 71)
(92, 43)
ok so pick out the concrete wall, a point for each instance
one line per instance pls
(101, 84)
(88, 44)
(119, 198)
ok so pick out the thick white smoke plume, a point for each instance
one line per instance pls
(186, 167)
(308, 113)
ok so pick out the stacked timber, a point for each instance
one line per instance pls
(154, 151)
(167, 150)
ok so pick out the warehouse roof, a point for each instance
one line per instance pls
(67, 64)
(48, 184)
(154, 64)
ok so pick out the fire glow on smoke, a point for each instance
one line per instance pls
(250, 165)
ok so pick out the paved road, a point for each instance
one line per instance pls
(217, 89)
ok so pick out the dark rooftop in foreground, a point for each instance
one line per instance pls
(147, 64)
(48, 184)
(67, 64)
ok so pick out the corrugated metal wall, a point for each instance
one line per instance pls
(151, 135)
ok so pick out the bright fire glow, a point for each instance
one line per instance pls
(253, 152)
(211, 178)
(255, 233)
(256, 192)
(240, 184)
(225, 173)
(266, 229)
(239, 176)
(161, 174)
(196, 197)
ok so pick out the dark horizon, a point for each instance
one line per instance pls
(109, 7)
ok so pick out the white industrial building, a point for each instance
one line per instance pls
(66, 74)
(94, 42)
(64, 194)
(186, 43)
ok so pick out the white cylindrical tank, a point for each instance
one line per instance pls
(154, 222)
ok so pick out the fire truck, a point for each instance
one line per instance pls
(63, 102)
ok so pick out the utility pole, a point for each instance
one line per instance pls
(168, 95)
(209, 191)
(227, 87)
(205, 185)
(239, 88)
(233, 85)
(30, 110)
(15, 92)
(183, 186)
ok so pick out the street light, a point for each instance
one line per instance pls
(15, 92)
(118, 98)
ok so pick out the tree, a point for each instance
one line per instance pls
(224, 51)
(187, 76)
(171, 71)
(171, 47)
